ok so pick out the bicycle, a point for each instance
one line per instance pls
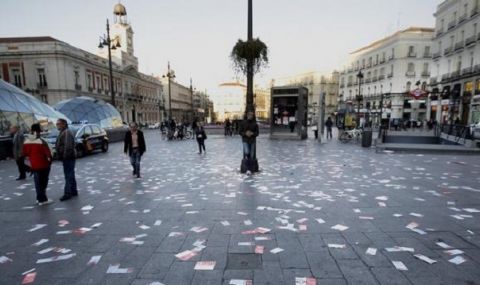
(350, 135)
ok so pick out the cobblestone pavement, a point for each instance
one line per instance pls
(316, 214)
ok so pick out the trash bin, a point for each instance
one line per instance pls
(367, 138)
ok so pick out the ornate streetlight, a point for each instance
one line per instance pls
(105, 40)
(170, 74)
(359, 96)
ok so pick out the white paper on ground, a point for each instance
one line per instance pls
(94, 260)
(225, 223)
(453, 252)
(457, 260)
(56, 258)
(185, 255)
(116, 269)
(276, 250)
(40, 242)
(4, 259)
(205, 265)
(240, 282)
(305, 281)
(425, 258)
(334, 245)
(443, 245)
(399, 265)
(339, 227)
(371, 251)
(320, 221)
(157, 223)
(37, 227)
(399, 248)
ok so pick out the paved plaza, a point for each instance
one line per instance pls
(326, 213)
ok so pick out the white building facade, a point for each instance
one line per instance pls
(53, 71)
(455, 78)
(391, 68)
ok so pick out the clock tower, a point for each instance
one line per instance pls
(122, 33)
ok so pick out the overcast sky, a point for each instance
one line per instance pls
(196, 36)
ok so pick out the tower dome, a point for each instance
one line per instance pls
(119, 10)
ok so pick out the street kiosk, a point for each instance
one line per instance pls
(289, 106)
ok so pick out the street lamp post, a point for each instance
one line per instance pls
(170, 74)
(359, 96)
(106, 41)
(250, 62)
(191, 94)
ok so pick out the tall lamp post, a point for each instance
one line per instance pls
(359, 97)
(250, 62)
(191, 94)
(170, 74)
(105, 40)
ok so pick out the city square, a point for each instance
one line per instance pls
(333, 212)
(243, 142)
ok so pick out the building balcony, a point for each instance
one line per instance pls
(342, 85)
(368, 80)
(349, 84)
(436, 55)
(474, 11)
(381, 77)
(427, 55)
(42, 85)
(78, 87)
(382, 60)
(369, 65)
(439, 32)
(455, 74)
(374, 79)
(425, 74)
(447, 51)
(459, 46)
(392, 57)
(390, 75)
(467, 70)
(451, 25)
(462, 18)
(445, 77)
(412, 54)
(410, 74)
(470, 40)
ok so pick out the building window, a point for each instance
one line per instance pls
(409, 86)
(77, 76)
(425, 68)
(90, 82)
(42, 79)
(459, 63)
(411, 67)
(44, 98)
(105, 84)
(472, 59)
(98, 83)
(17, 78)
(427, 51)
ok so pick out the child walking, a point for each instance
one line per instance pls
(201, 137)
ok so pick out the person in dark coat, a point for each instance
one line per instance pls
(65, 149)
(329, 124)
(18, 140)
(249, 131)
(134, 145)
(201, 137)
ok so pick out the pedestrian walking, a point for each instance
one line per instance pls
(329, 125)
(65, 147)
(249, 132)
(194, 126)
(201, 137)
(36, 150)
(134, 145)
(18, 140)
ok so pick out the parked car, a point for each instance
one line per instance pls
(154, 126)
(88, 138)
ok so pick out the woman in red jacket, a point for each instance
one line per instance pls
(38, 152)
